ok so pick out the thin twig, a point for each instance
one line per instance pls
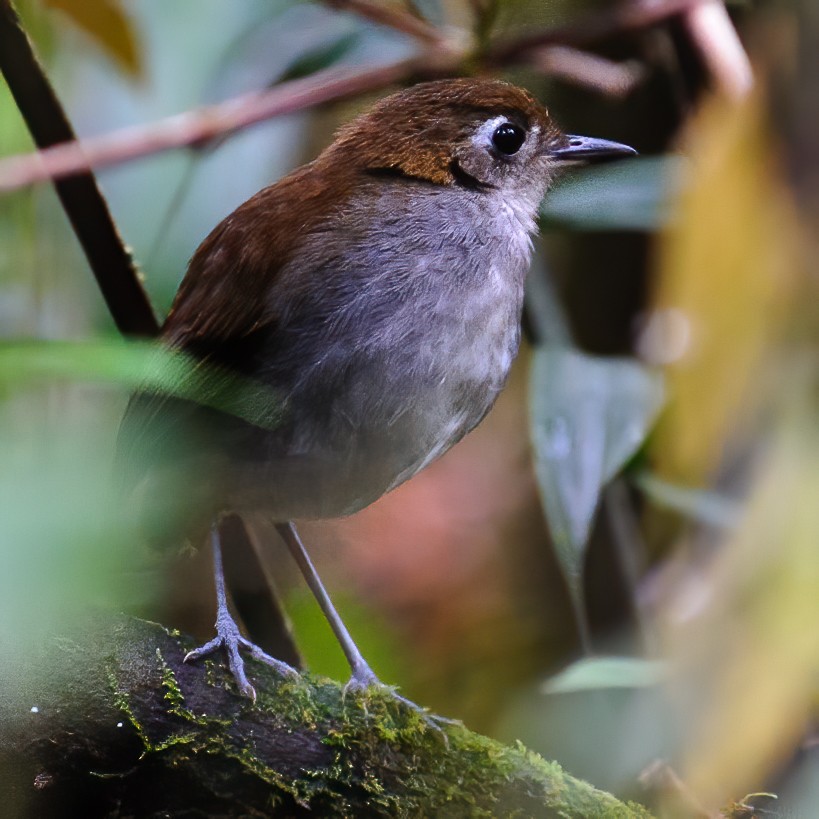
(660, 778)
(81, 198)
(197, 125)
(392, 18)
(587, 70)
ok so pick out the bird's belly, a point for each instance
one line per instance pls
(357, 458)
(392, 416)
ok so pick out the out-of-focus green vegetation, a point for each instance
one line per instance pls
(695, 576)
(635, 195)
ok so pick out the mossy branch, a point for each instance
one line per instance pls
(116, 724)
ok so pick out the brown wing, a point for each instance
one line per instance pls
(223, 313)
(224, 298)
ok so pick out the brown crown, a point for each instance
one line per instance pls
(414, 131)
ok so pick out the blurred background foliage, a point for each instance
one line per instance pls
(620, 566)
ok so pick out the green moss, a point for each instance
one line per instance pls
(173, 693)
(295, 700)
(251, 763)
(123, 703)
(373, 726)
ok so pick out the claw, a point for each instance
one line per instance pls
(229, 638)
(228, 635)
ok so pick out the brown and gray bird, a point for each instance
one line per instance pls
(375, 297)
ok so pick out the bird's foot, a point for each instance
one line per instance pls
(363, 678)
(231, 640)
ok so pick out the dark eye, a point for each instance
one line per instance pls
(508, 138)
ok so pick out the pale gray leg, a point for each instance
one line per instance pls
(362, 675)
(228, 635)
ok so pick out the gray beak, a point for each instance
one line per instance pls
(589, 149)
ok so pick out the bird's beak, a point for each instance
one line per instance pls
(589, 149)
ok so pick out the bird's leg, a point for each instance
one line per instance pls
(228, 635)
(362, 675)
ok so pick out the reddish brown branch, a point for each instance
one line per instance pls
(197, 125)
(587, 70)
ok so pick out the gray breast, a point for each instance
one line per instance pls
(426, 326)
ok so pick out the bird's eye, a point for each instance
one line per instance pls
(508, 138)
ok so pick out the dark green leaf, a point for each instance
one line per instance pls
(589, 415)
(320, 57)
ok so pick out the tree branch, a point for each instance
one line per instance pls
(200, 124)
(115, 722)
(587, 70)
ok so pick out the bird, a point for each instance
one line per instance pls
(370, 304)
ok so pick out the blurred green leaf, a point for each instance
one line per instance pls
(727, 269)
(308, 40)
(320, 57)
(588, 416)
(634, 194)
(140, 365)
(606, 672)
(129, 364)
(64, 543)
(109, 26)
(609, 735)
(699, 504)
